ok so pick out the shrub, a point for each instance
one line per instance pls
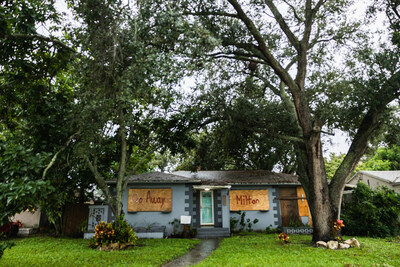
(175, 228)
(117, 232)
(372, 213)
(10, 229)
(123, 231)
(245, 225)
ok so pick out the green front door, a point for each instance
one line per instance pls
(206, 206)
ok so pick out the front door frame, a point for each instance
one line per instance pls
(212, 207)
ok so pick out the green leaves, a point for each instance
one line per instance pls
(372, 212)
(20, 184)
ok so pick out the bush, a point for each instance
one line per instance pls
(245, 225)
(10, 229)
(117, 232)
(372, 213)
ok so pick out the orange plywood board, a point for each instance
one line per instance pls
(248, 200)
(304, 210)
(150, 199)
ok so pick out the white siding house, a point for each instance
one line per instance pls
(374, 179)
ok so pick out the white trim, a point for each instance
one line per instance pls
(211, 187)
(212, 207)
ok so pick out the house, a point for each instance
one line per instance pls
(374, 179)
(208, 199)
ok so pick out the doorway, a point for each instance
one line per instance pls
(206, 208)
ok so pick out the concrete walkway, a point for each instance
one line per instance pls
(197, 254)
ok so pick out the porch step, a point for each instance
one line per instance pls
(213, 232)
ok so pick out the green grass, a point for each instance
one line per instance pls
(267, 250)
(47, 251)
(244, 250)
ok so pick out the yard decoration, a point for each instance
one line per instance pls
(283, 237)
(337, 229)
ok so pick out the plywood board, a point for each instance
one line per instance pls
(150, 199)
(304, 209)
(289, 207)
(248, 200)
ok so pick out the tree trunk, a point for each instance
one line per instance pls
(322, 211)
(322, 215)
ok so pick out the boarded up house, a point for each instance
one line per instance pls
(210, 198)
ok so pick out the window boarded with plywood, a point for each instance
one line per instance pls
(289, 205)
(304, 210)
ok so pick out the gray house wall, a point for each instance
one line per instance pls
(226, 214)
(181, 205)
(186, 201)
(265, 218)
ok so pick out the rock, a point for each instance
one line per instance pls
(125, 246)
(352, 242)
(105, 248)
(343, 246)
(332, 244)
(114, 246)
(321, 244)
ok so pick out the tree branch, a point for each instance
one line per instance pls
(53, 160)
(299, 97)
(39, 37)
(133, 171)
(283, 25)
(101, 182)
(369, 124)
(294, 11)
(208, 13)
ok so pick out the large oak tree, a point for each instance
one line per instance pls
(291, 51)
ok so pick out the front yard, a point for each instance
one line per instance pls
(267, 250)
(252, 250)
(47, 251)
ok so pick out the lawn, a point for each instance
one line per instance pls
(47, 251)
(267, 250)
(251, 250)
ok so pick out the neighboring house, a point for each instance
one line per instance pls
(374, 179)
(29, 219)
(208, 199)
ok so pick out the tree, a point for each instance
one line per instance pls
(288, 49)
(383, 159)
(19, 184)
(36, 102)
(125, 74)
